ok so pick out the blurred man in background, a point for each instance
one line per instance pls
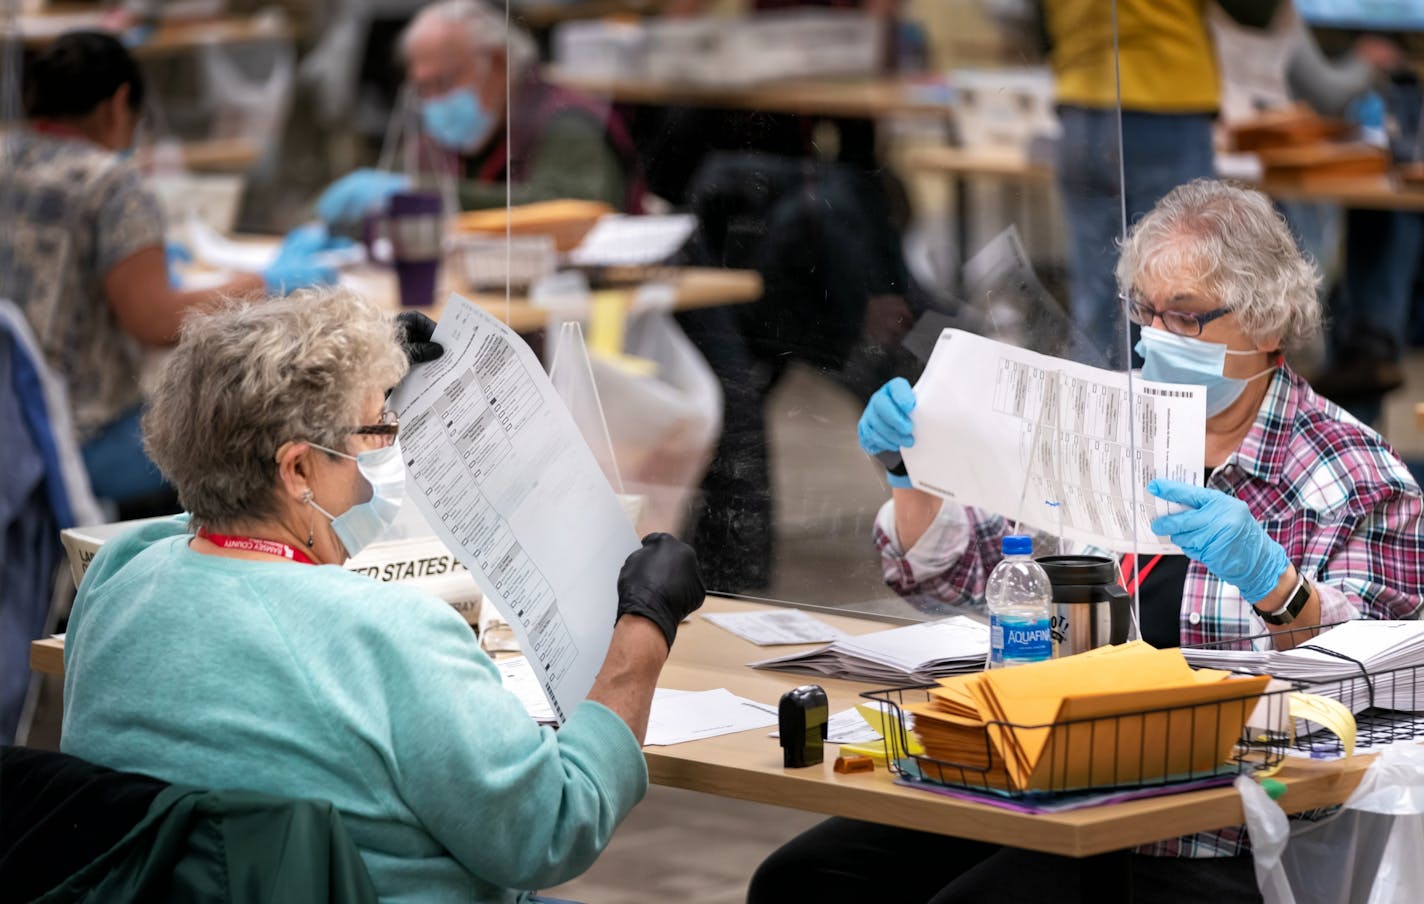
(489, 121)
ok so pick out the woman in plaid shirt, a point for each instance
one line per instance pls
(1301, 500)
(1307, 518)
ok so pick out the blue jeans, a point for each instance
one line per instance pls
(1371, 310)
(118, 468)
(1158, 153)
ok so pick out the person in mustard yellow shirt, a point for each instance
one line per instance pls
(1169, 94)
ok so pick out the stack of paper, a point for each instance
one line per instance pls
(914, 654)
(622, 240)
(1112, 716)
(1331, 664)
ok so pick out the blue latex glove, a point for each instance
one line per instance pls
(298, 265)
(176, 253)
(347, 200)
(312, 238)
(885, 424)
(1219, 531)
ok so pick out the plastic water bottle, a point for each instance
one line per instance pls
(1020, 600)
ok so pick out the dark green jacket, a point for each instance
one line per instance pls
(226, 846)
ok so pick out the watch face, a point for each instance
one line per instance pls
(1292, 608)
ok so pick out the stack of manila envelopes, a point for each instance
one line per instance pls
(1112, 716)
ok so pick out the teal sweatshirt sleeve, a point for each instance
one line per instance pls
(516, 804)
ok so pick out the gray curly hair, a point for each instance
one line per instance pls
(1240, 252)
(248, 377)
(489, 29)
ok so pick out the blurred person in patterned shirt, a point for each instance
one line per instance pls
(82, 253)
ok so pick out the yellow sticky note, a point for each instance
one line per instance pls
(607, 319)
(884, 724)
(1324, 711)
(875, 751)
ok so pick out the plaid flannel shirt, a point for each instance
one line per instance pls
(1328, 489)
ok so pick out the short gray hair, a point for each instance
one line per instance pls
(248, 377)
(489, 29)
(1240, 251)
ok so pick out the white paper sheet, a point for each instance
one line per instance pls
(253, 255)
(519, 679)
(681, 716)
(629, 241)
(846, 727)
(503, 476)
(220, 252)
(776, 627)
(983, 406)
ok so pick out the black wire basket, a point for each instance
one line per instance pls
(1147, 748)
(1387, 704)
(1164, 746)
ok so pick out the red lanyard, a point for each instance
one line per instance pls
(57, 129)
(1129, 566)
(255, 544)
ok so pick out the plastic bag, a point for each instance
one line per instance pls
(1366, 853)
(657, 431)
(250, 90)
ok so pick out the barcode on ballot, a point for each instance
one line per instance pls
(1168, 393)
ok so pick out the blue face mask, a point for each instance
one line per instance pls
(457, 120)
(361, 525)
(1169, 358)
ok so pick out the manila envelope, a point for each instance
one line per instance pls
(1135, 736)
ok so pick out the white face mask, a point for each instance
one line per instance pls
(360, 525)
(1170, 358)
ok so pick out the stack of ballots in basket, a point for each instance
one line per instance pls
(1122, 715)
(1363, 664)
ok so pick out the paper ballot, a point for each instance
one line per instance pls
(1052, 443)
(506, 480)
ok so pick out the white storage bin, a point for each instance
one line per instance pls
(800, 44)
(688, 51)
(491, 262)
(1003, 108)
(600, 50)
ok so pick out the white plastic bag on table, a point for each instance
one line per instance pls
(662, 428)
(249, 91)
(1370, 852)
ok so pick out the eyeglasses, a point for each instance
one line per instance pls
(1183, 323)
(386, 430)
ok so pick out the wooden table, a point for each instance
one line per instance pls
(167, 39)
(215, 155)
(747, 766)
(854, 99)
(548, 13)
(1374, 193)
(693, 287)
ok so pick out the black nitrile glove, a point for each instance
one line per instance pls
(661, 582)
(415, 330)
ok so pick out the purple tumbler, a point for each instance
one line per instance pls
(414, 225)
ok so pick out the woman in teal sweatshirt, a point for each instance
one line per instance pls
(230, 649)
